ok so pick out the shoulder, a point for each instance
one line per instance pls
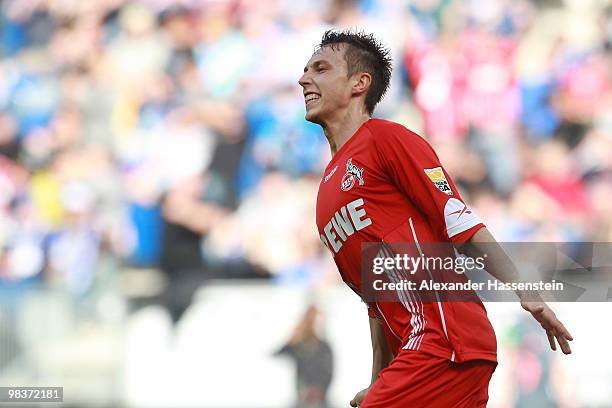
(382, 125)
(386, 132)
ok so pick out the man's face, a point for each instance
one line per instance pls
(325, 84)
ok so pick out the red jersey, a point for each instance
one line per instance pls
(386, 184)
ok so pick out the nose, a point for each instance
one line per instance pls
(304, 79)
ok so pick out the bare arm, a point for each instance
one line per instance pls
(381, 357)
(498, 264)
(381, 354)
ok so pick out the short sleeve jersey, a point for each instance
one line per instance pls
(386, 184)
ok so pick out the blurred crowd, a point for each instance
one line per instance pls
(170, 134)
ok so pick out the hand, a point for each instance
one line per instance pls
(358, 398)
(549, 322)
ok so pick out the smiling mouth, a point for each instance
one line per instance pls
(310, 98)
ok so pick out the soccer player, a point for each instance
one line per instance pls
(384, 183)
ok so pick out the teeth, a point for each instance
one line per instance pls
(311, 97)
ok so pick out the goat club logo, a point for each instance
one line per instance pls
(353, 174)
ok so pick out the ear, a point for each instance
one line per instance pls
(361, 83)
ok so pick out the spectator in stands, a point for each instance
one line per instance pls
(313, 359)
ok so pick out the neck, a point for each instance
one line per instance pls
(340, 129)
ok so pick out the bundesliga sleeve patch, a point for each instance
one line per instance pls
(436, 175)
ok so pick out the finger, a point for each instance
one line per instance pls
(563, 343)
(551, 340)
(353, 403)
(565, 347)
(562, 330)
(562, 336)
(559, 330)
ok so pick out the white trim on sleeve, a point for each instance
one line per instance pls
(458, 217)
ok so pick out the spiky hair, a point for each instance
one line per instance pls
(364, 53)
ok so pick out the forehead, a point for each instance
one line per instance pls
(331, 55)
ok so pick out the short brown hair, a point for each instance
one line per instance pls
(364, 53)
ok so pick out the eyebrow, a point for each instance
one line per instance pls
(315, 64)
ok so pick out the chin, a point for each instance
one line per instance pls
(313, 117)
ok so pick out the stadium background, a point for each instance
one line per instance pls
(155, 152)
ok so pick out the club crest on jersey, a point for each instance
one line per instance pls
(353, 174)
(436, 175)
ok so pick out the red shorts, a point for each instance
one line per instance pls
(415, 379)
